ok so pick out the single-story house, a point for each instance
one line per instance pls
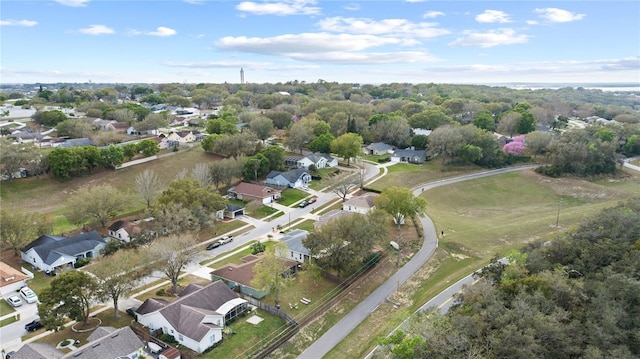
(120, 127)
(233, 211)
(108, 342)
(421, 131)
(240, 276)
(76, 142)
(197, 317)
(360, 204)
(295, 248)
(50, 252)
(378, 148)
(409, 156)
(294, 178)
(183, 136)
(124, 231)
(320, 160)
(254, 192)
(11, 279)
(37, 350)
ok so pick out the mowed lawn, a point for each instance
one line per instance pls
(50, 195)
(410, 175)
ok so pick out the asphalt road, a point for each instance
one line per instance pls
(349, 322)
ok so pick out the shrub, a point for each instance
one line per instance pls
(81, 262)
(161, 293)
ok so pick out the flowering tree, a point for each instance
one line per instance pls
(515, 147)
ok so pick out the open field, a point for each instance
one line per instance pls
(483, 218)
(410, 175)
(49, 195)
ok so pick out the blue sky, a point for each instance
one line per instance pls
(372, 41)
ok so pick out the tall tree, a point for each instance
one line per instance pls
(400, 203)
(70, 295)
(262, 127)
(96, 205)
(116, 275)
(347, 146)
(270, 274)
(172, 254)
(345, 243)
(148, 186)
(342, 183)
(191, 194)
(19, 227)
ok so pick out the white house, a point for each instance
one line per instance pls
(254, 192)
(320, 160)
(409, 156)
(197, 317)
(49, 252)
(294, 178)
(183, 136)
(360, 204)
(378, 148)
(295, 249)
(124, 231)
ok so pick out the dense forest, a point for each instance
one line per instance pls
(575, 297)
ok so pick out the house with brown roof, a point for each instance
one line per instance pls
(197, 317)
(184, 136)
(254, 192)
(11, 279)
(240, 276)
(124, 231)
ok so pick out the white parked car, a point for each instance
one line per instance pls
(28, 295)
(14, 301)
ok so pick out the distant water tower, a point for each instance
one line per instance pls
(242, 76)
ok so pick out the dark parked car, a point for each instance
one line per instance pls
(303, 204)
(213, 245)
(33, 325)
(10, 354)
(131, 311)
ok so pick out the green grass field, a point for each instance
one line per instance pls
(409, 175)
(487, 217)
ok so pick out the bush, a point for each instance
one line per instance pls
(161, 293)
(257, 248)
(81, 262)
(168, 338)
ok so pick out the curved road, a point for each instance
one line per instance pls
(335, 334)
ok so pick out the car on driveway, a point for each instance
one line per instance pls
(303, 204)
(33, 325)
(213, 245)
(131, 311)
(28, 295)
(15, 301)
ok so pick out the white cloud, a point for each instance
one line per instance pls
(490, 38)
(491, 16)
(391, 27)
(432, 14)
(366, 58)
(280, 8)
(558, 15)
(305, 43)
(194, 2)
(162, 32)
(11, 22)
(352, 6)
(73, 3)
(532, 22)
(414, 1)
(97, 30)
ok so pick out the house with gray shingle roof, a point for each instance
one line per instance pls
(117, 343)
(409, 156)
(37, 351)
(378, 148)
(295, 248)
(50, 252)
(360, 204)
(320, 160)
(197, 317)
(294, 178)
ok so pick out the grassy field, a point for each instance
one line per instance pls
(483, 218)
(49, 195)
(6, 308)
(410, 175)
(291, 196)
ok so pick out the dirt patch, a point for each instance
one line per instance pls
(575, 188)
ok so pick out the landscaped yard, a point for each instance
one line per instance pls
(291, 196)
(6, 308)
